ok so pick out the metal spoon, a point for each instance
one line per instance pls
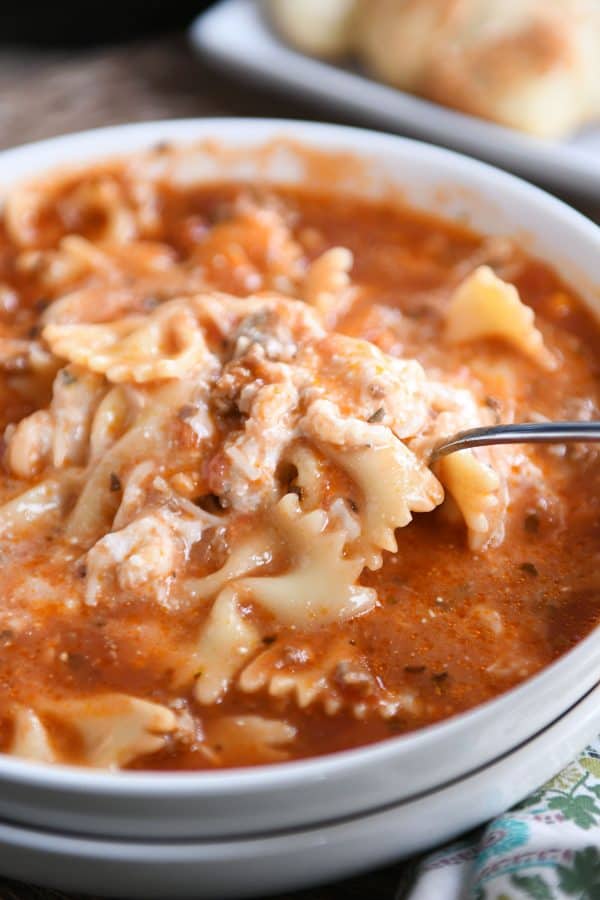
(528, 432)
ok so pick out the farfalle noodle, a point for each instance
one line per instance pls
(484, 306)
(221, 539)
(321, 585)
(168, 344)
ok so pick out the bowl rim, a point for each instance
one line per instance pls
(121, 141)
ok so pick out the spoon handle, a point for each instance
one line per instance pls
(528, 432)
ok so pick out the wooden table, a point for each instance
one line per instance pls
(44, 93)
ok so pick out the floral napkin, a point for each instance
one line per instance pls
(546, 848)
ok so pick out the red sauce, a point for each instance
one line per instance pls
(454, 628)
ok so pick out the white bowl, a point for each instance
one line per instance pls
(323, 790)
(251, 867)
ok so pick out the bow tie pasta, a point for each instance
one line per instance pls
(221, 538)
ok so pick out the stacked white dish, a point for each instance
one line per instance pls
(244, 832)
(257, 863)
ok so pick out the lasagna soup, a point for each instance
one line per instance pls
(222, 541)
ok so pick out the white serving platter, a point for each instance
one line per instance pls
(235, 35)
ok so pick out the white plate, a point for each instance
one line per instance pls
(299, 794)
(297, 858)
(235, 35)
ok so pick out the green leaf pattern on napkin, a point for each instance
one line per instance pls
(545, 848)
(532, 886)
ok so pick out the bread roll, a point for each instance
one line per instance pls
(318, 27)
(529, 64)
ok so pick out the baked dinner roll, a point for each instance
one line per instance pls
(527, 64)
(319, 27)
(398, 39)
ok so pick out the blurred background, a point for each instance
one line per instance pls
(67, 66)
(67, 23)
(526, 72)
